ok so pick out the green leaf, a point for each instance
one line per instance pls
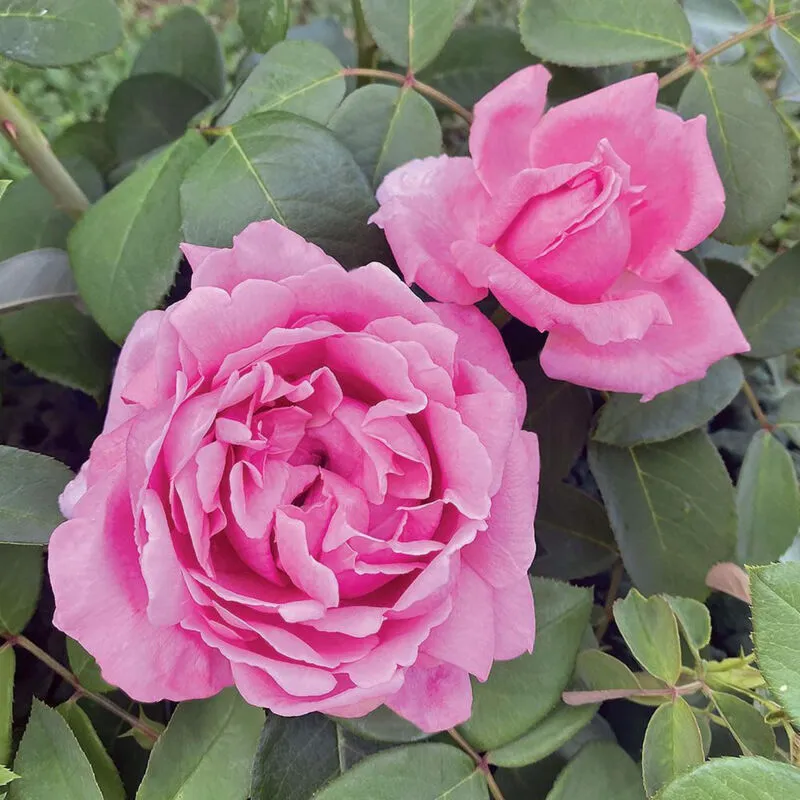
(504, 707)
(6, 776)
(85, 668)
(573, 535)
(651, 632)
(769, 311)
(775, 590)
(3, 186)
(749, 147)
(29, 219)
(786, 38)
(124, 250)
(89, 141)
(423, 771)
(672, 509)
(20, 583)
(694, 621)
(386, 126)
(601, 769)
(750, 778)
(383, 725)
(29, 510)
(52, 33)
(556, 729)
(263, 22)
(411, 32)
(730, 280)
(560, 414)
(260, 169)
(59, 343)
(714, 21)
(585, 33)
(625, 421)
(105, 773)
(8, 661)
(35, 276)
(747, 725)
(672, 745)
(597, 671)
(187, 47)
(789, 416)
(50, 761)
(300, 77)
(768, 501)
(475, 59)
(206, 751)
(146, 112)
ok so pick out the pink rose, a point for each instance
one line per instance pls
(310, 484)
(573, 219)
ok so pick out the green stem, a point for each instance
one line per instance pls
(410, 80)
(34, 149)
(758, 412)
(66, 675)
(696, 60)
(480, 763)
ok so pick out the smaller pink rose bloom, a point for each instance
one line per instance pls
(311, 485)
(573, 219)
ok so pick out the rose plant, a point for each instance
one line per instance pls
(316, 331)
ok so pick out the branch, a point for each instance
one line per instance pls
(34, 149)
(480, 763)
(599, 695)
(758, 412)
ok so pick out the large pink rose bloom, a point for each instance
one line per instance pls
(310, 484)
(573, 219)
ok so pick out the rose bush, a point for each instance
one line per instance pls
(574, 219)
(310, 484)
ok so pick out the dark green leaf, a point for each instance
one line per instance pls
(386, 126)
(328, 32)
(557, 728)
(301, 77)
(206, 751)
(672, 509)
(20, 583)
(149, 111)
(651, 632)
(35, 276)
(504, 707)
(187, 47)
(124, 251)
(85, 668)
(260, 169)
(775, 590)
(560, 414)
(87, 140)
(786, 38)
(694, 621)
(714, 21)
(767, 501)
(422, 771)
(749, 778)
(475, 59)
(601, 769)
(730, 279)
(8, 661)
(789, 416)
(52, 33)
(625, 421)
(29, 510)
(383, 725)
(411, 32)
(769, 311)
(585, 33)
(105, 773)
(749, 147)
(672, 745)
(747, 725)
(263, 22)
(531, 782)
(51, 762)
(59, 343)
(573, 535)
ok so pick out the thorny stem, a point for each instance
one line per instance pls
(34, 149)
(480, 763)
(611, 596)
(67, 676)
(758, 412)
(413, 83)
(695, 60)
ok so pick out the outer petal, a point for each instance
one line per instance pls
(504, 120)
(425, 206)
(515, 623)
(101, 600)
(626, 316)
(265, 250)
(703, 331)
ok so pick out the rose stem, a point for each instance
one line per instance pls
(34, 149)
(758, 412)
(480, 763)
(66, 675)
